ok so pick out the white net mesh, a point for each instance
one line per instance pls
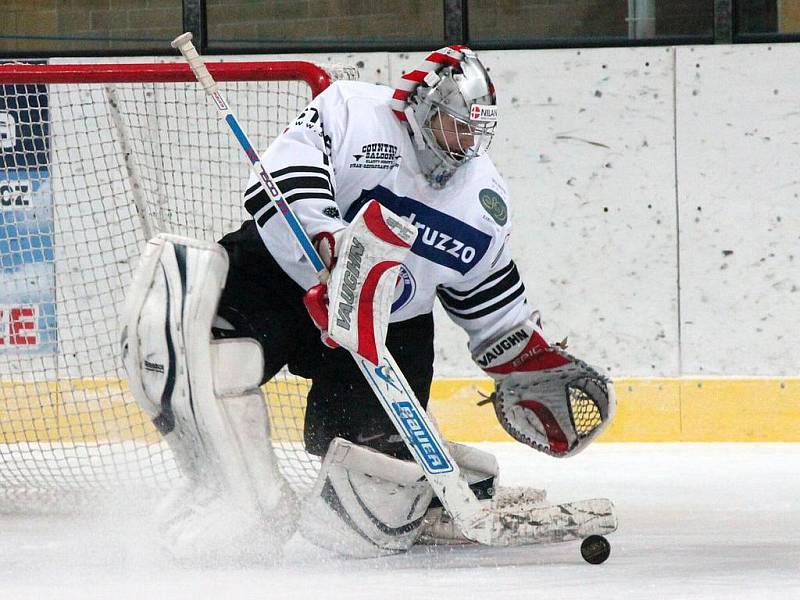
(74, 160)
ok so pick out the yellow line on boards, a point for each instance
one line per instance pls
(649, 410)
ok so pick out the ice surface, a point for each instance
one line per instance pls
(696, 521)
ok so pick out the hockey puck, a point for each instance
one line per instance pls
(595, 549)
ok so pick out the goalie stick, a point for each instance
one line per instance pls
(476, 522)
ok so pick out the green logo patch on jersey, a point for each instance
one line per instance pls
(494, 205)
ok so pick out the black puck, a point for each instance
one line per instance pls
(595, 549)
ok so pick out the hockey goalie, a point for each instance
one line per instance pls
(207, 324)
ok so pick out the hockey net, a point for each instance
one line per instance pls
(94, 159)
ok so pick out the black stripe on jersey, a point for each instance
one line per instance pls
(255, 203)
(489, 309)
(300, 169)
(256, 198)
(302, 176)
(508, 275)
(488, 294)
(493, 277)
(252, 189)
(272, 211)
(293, 183)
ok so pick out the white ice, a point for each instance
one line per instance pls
(696, 521)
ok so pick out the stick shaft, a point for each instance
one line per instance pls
(184, 44)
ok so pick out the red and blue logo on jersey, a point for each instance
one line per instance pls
(442, 239)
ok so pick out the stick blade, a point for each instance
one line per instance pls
(519, 526)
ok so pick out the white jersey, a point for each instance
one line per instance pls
(346, 148)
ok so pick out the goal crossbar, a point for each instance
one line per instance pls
(27, 73)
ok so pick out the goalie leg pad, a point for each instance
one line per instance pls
(203, 396)
(247, 519)
(166, 324)
(365, 504)
(478, 467)
(481, 471)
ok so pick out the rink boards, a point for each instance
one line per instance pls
(649, 410)
(652, 410)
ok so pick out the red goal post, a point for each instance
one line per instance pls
(94, 159)
(315, 76)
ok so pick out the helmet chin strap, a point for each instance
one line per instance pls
(415, 129)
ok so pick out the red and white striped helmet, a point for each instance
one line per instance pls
(450, 107)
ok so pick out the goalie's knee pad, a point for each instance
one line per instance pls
(203, 396)
(365, 503)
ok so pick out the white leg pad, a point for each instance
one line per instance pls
(203, 396)
(476, 465)
(365, 504)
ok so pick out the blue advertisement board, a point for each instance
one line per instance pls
(27, 268)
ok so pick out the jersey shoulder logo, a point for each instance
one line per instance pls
(493, 204)
(443, 239)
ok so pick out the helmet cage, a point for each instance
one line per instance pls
(453, 138)
(454, 113)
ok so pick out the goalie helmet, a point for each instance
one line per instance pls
(450, 107)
